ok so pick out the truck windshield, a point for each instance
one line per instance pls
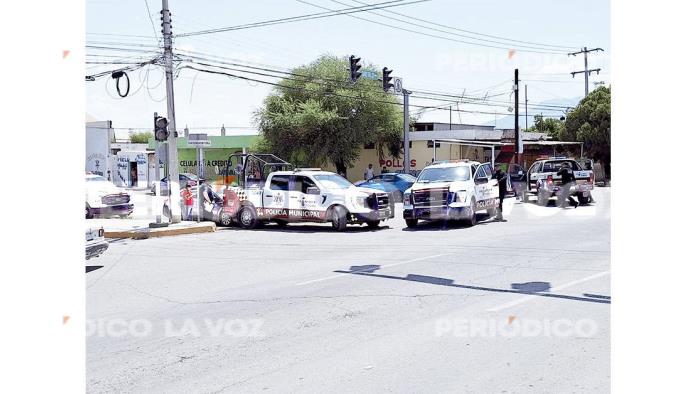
(446, 174)
(333, 181)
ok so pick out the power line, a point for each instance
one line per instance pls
(430, 27)
(472, 32)
(300, 18)
(557, 52)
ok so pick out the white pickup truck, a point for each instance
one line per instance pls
(544, 182)
(259, 195)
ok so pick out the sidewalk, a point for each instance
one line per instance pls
(139, 228)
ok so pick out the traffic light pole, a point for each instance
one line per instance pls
(407, 119)
(172, 151)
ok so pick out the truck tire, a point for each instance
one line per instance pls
(471, 220)
(411, 223)
(247, 217)
(339, 218)
(225, 219)
(88, 212)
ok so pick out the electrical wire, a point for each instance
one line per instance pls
(299, 18)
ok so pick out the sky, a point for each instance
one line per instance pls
(205, 102)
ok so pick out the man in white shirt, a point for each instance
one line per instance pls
(369, 173)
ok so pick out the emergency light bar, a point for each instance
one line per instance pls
(307, 169)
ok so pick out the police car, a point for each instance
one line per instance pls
(544, 182)
(302, 195)
(451, 190)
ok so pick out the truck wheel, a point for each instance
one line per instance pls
(373, 224)
(225, 219)
(411, 223)
(471, 220)
(247, 217)
(339, 218)
(88, 212)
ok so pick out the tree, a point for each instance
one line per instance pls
(590, 122)
(316, 116)
(553, 127)
(141, 138)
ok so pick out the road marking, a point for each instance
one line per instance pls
(372, 269)
(561, 287)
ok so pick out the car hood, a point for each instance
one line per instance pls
(357, 190)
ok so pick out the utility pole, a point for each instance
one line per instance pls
(172, 151)
(518, 137)
(407, 156)
(587, 72)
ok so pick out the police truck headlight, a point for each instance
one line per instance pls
(407, 198)
(461, 196)
(360, 201)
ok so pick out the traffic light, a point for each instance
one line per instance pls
(386, 79)
(354, 68)
(161, 132)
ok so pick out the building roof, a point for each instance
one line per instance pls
(471, 134)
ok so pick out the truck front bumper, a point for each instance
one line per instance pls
(372, 215)
(437, 213)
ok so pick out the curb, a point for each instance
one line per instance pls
(144, 233)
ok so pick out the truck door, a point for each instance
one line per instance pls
(485, 191)
(276, 197)
(303, 205)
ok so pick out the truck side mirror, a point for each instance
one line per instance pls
(313, 190)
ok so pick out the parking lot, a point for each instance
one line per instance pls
(515, 306)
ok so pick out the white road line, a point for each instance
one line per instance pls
(371, 269)
(560, 287)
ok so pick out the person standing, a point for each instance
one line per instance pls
(567, 182)
(384, 170)
(501, 176)
(188, 202)
(369, 173)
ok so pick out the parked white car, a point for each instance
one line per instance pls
(306, 195)
(451, 190)
(104, 198)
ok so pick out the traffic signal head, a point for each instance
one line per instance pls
(354, 68)
(386, 79)
(161, 132)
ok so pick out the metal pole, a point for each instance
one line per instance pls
(200, 202)
(407, 156)
(518, 142)
(587, 74)
(434, 151)
(172, 149)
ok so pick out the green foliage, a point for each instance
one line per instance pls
(323, 118)
(590, 122)
(553, 127)
(141, 138)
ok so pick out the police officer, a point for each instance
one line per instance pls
(502, 189)
(567, 181)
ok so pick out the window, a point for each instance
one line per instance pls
(280, 182)
(389, 178)
(444, 174)
(488, 170)
(333, 181)
(302, 183)
(430, 144)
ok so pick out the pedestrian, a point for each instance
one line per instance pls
(567, 183)
(384, 170)
(501, 176)
(369, 173)
(188, 202)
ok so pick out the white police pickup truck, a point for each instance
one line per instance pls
(451, 190)
(304, 195)
(544, 182)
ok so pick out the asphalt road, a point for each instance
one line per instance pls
(516, 306)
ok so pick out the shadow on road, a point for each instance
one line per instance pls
(530, 288)
(443, 225)
(91, 268)
(309, 228)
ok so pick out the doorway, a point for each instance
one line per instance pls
(133, 173)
